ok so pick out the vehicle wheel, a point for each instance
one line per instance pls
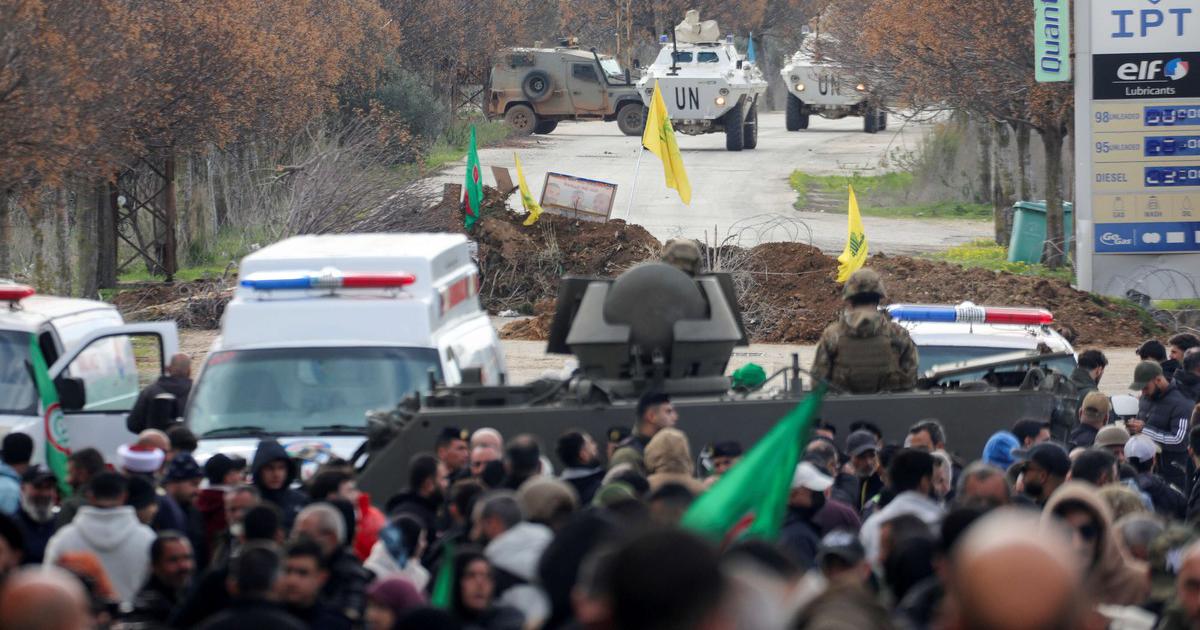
(871, 120)
(522, 119)
(536, 85)
(750, 128)
(631, 119)
(796, 118)
(545, 126)
(883, 120)
(735, 129)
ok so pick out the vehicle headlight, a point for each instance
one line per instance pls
(799, 87)
(720, 101)
(861, 87)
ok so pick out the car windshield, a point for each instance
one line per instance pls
(930, 356)
(681, 57)
(612, 68)
(18, 394)
(287, 390)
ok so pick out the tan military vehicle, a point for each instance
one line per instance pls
(532, 89)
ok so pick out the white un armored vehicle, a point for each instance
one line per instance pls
(818, 86)
(706, 85)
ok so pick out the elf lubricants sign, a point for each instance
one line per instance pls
(1138, 141)
(1052, 40)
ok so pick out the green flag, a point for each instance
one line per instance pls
(751, 499)
(58, 449)
(473, 188)
(443, 585)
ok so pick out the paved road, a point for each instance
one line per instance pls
(746, 193)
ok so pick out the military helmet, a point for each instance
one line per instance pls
(683, 254)
(862, 282)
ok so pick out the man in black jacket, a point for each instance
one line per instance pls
(1193, 502)
(580, 458)
(171, 568)
(800, 537)
(253, 575)
(172, 388)
(1163, 415)
(1188, 376)
(305, 574)
(273, 472)
(345, 592)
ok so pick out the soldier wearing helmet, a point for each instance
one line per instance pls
(683, 254)
(865, 352)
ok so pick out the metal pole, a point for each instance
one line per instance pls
(633, 187)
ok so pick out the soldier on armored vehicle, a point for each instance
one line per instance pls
(864, 352)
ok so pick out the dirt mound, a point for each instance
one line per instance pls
(536, 328)
(789, 293)
(521, 265)
(197, 304)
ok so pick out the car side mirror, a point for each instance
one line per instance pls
(739, 65)
(71, 393)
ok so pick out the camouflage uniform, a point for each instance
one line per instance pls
(683, 254)
(864, 352)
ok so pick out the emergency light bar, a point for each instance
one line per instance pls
(326, 279)
(15, 292)
(970, 313)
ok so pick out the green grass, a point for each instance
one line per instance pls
(988, 255)
(452, 146)
(883, 196)
(1178, 305)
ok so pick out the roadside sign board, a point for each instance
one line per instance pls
(1052, 40)
(578, 197)
(1137, 146)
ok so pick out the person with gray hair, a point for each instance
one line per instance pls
(515, 547)
(984, 485)
(346, 590)
(1137, 532)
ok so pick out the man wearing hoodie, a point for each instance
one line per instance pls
(514, 548)
(864, 352)
(111, 530)
(273, 473)
(15, 453)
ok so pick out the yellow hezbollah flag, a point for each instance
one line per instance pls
(531, 206)
(659, 138)
(855, 254)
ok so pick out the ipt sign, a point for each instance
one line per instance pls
(1127, 26)
(1052, 40)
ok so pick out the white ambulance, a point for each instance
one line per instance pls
(323, 329)
(97, 363)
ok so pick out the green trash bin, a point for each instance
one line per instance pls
(1029, 230)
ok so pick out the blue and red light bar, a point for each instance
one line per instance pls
(15, 292)
(328, 279)
(970, 313)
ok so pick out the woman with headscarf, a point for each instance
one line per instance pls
(1113, 576)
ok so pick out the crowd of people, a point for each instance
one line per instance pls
(1092, 531)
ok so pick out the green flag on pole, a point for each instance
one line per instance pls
(751, 499)
(58, 449)
(443, 585)
(473, 188)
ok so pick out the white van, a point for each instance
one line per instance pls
(323, 329)
(97, 362)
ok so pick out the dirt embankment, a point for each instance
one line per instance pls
(788, 291)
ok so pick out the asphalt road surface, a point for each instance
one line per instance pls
(740, 195)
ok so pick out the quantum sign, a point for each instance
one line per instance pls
(1052, 40)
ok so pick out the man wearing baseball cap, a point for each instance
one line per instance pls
(1163, 415)
(1142, 453)
(1112, 438)
(799, 536)
(1093, 413)
(863, 449)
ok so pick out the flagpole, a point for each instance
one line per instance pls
(633, 188)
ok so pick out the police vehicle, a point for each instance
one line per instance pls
(322, 329)
(706, 85)
(954, 336)
(97, 363)
(818, 86)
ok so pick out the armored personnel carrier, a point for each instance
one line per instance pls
(533, 89)
(656, 328)
(819, 86)
(706, 85)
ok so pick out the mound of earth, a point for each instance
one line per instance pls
(789, 293)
